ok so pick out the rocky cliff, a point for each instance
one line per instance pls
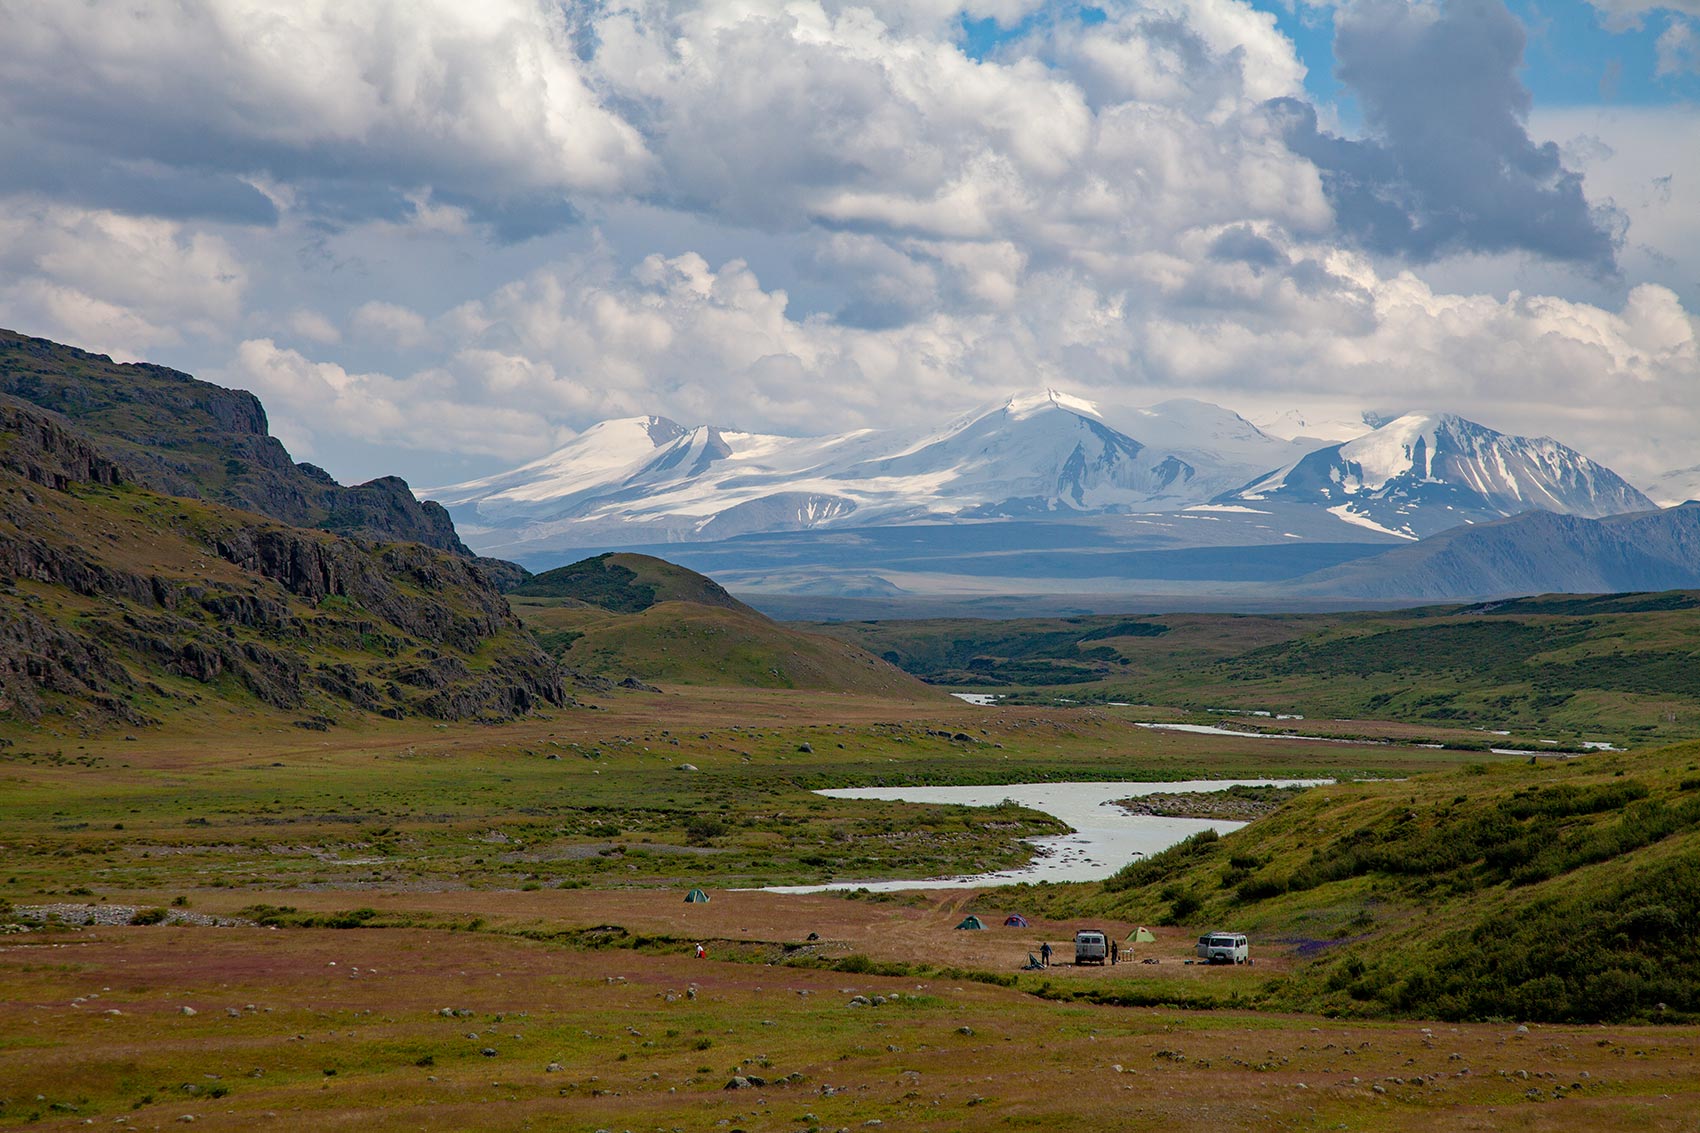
(120, 603)
(185, 437)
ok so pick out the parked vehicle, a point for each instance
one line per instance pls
(1091, 946)
(1224, 948)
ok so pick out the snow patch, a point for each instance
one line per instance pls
(1344, 513)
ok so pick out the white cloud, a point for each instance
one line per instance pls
(390, 324)
(115, 283)
(487, 225)
(313, 327)
(1677, 49)
(458, 94)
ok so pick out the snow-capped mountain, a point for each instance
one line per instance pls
(651, 480)
(1313, 428)
(1425, 472)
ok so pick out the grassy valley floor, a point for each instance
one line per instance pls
(528, 879)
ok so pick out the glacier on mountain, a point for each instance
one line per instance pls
(1046, 455)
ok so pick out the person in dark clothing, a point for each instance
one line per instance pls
(1045, 953)
(1115, 953)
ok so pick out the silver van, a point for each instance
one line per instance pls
(1091, 946)
(1224, 948)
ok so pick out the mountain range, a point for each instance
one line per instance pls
(1040, 457)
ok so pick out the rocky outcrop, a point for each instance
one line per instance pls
(185, 437)
(40, 660)
(416, 630)
(45, 450)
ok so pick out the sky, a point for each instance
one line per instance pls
(438, 239)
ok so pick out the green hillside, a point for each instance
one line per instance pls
(623, 615)
(1618, 667)
(1563, 890)
(628, 584)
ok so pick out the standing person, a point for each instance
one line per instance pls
(1045, 953)
(701, 952)
(1115, 952)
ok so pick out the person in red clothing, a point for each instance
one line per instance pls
(701, 952)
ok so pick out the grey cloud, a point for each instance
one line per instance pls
(1448, 165)
(1242, 245)
(91, 178)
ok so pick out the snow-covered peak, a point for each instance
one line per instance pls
(1319, 427)
(1026, 404)
(605, 450)
(1423, 472)
(1406, 445)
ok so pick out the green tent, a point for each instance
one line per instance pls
(971, 921)
(696, 897)
(1142, 936)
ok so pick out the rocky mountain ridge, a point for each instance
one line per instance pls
(122, 604)
(182, 436)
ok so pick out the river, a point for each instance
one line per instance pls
(1105, 837)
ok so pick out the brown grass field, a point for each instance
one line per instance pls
(324, 1028)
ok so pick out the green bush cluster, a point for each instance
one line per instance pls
(1583, 957)
(1532, 835)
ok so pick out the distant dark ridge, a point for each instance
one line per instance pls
(1537, 553)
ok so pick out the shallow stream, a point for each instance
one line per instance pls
(1105, 837)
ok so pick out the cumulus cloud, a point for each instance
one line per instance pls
(476, 228)
(112, 282)
(1677, 49)
(319, 400)
(1253, 320)
(1449, 166)
(347, 97)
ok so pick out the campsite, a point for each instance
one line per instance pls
(541, 903)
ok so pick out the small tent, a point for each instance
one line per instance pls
(1015, 920)
(1142, 936)
(696, 897)
(971, 921)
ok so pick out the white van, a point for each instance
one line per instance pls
(1224, 948)
(1091, 947)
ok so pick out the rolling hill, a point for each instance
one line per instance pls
(634, 616)
(1535, 553)
(1558, 890)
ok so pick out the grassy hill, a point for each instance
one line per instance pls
(1561, 890)
(628, 584)
(624, 615)
(1620, 667)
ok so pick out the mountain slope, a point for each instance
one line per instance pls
(650, 480)
(119, 604)
(1558, 890)
(1537, 553)
(628, 584)
(184, 437)
(1423, 473)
